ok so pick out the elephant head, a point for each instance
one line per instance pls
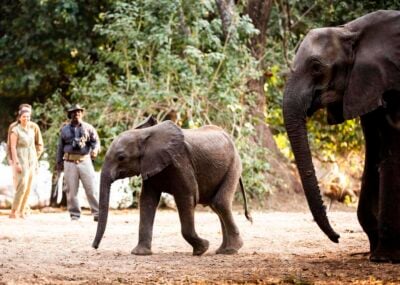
(346, 70)
(145, 150)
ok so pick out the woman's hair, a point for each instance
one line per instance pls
(23, 107)
(23, 111)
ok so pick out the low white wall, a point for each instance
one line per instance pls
(121, 191)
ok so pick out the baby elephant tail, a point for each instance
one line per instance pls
(246, 210)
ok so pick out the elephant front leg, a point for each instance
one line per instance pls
(367, 210)
(388, 249)
(149, 200)
(231, 240)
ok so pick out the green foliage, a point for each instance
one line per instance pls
(41, 43)
(330, 141)
(164, 56)
(52, 115)
(255, 165)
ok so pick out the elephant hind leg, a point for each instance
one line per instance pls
(231, 240)
(222, 205)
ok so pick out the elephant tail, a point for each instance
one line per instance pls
(246, 210)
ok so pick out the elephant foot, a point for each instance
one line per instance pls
(379, 258)
(232, 248)
(141, 250)
(384, 255)
(373, 240)
(228, 251)
(201, 248)
(385, 258)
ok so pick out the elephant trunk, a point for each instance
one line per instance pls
(294, 113)
(105, 185)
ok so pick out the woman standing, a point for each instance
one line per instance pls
(24, 160)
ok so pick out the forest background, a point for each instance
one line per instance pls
(220, 62)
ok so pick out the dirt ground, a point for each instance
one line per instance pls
(280, 247)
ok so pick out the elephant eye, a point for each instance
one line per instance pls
(316, 68)
(121, 157)
(315, 65)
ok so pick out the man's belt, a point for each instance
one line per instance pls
(73, 157)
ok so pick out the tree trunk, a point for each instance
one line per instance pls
(225, 8)
(259, 11)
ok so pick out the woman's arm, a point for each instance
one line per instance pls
(13, 146)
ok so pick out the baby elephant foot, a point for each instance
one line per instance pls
(226, 251)
(232, 247)
(141, 250)
(201, 247)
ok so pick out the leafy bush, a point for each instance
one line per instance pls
(167, 56)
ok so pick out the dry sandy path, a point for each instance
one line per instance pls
(283, 248)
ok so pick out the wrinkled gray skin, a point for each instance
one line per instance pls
(353, 71)
(198, 166)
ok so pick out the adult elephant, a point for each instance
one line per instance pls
(353, 70)
(198, 166)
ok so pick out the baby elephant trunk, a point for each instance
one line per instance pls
(105, 185)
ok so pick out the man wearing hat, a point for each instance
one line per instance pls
(78, 144)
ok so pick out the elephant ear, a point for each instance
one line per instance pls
(376, 67)
(148, 122)
(163, 145)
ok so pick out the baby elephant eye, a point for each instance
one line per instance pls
(121, 157)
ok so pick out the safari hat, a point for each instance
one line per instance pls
(74, 107)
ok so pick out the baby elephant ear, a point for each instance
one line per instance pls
(148, 122)
(163, 145)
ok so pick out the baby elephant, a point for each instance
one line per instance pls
(199, 166)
